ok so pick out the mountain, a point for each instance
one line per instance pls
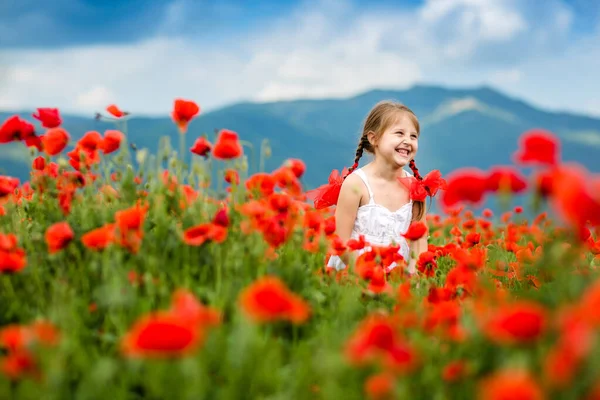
(468, 127)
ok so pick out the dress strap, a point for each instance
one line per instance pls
(363, 176)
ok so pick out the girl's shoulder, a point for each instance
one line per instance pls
(353, 186)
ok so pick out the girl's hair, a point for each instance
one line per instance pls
(381, 116)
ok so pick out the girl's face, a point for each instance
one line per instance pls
(399, 142)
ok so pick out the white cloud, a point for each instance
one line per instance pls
(97, 98)
(506, 77)
(487, 19)
(323, 49)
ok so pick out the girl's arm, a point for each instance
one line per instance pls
(346, 209)
(418, 247)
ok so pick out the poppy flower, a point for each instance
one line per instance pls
(15, 129)
(521, 322)
(262, 183)
(183, 112)
(58, 236)
(227, 146)
(12, 257)
(538, 146)
(510, 384)
(199, 234)
(297, 166)
(55, 140)
(416, 230)
(506, 179)
(201, 147)
(8, 185)
(466, 185)
(576, 196)
(187, 307)
(115, 111)
(268, 299)
(378, 339)
(426, 263)
(232, 176)
(112, 141)
(49, 117)
(161, 335)
(380, 386)
(99, 238)
(18, 364)
(39, 163)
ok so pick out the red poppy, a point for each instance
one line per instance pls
(115, 111)
(506, 179)
(297, 166)
(55, 140)
(39, 163)
(576, 196)
(262, 183)
(426, 263)
(187, 307)
(49, 117)
(90, 142)
(183, 112)
(466, 185)
(201, 147)
(521, 322)
(416, 230)
(12, 257)
(112, 141)
(8, 184)
(99, 238)
(199, 234)
(454, 371)
(377, 339)
(380, 386)
(268, 299)
(161, 335)
(15, 129)
(58, 236)
(227, 146)
(510, 384)
(232, 176)
(18, 364)
(538, 146)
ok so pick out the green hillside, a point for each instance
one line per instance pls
(474, 127)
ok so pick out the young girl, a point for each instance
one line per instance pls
(372, 200)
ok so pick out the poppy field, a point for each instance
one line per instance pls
(127, 275)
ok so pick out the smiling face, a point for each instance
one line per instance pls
(399, 142)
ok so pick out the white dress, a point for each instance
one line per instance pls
(379, 226)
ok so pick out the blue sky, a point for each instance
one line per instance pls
(80, 55)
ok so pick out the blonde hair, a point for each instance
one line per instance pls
(380, 118)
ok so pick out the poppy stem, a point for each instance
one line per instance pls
(181, 155)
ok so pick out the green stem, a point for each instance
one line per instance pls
(252, 157)
(181, 152)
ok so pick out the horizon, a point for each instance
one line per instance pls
(85, 54)
(165, 114)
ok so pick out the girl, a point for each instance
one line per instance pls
(375, 201)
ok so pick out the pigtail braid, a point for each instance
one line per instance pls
(415, 170)
(418, 206)
(364, 142)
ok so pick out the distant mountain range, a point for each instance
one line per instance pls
(471, 127)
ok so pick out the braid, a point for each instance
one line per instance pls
(418, 206)
(364, 141)
(415, 170)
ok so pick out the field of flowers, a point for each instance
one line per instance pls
(123, 282)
